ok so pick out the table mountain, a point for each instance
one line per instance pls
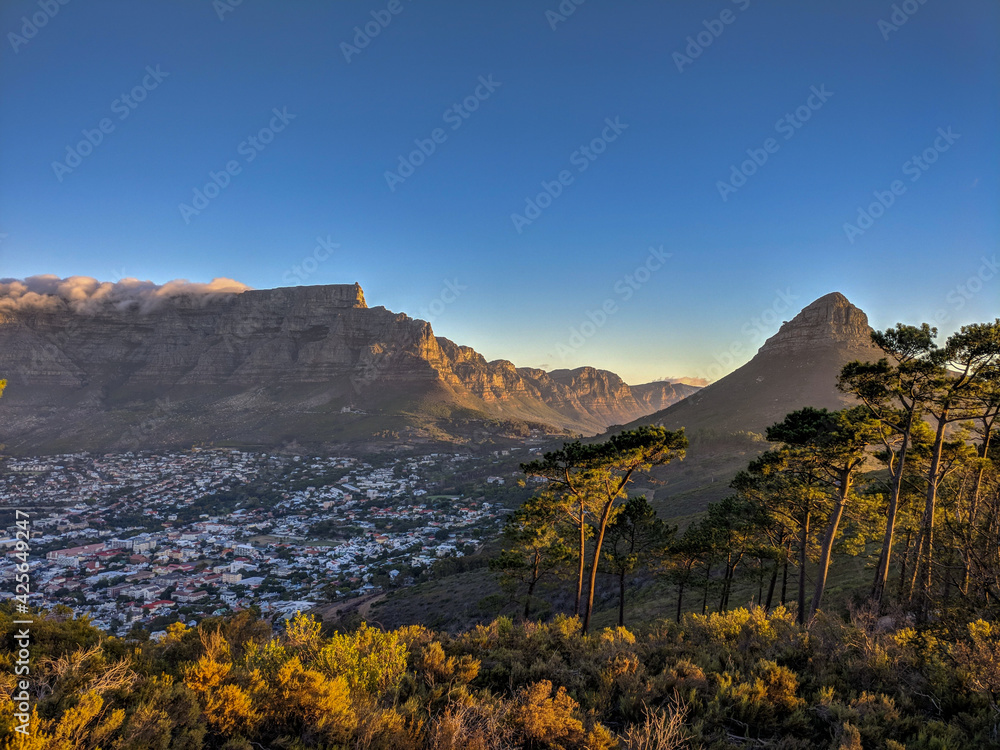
(309, 364)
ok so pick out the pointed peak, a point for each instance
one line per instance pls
(831, 300)
(829, 320)
(832, 297)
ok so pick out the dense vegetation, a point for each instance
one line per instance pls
(745, 678)
(911, 661)
(911, 471)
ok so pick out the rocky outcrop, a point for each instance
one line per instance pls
(830, 321)
(304, 363)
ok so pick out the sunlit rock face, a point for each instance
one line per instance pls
(829, 321)
(204, 363)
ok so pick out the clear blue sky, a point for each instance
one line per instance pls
(656, 184)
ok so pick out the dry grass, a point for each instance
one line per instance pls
(660, 729)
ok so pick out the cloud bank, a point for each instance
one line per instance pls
(700, 382)
(86, 295)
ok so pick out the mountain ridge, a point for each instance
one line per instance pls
(265, 366)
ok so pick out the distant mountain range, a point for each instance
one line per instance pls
(312, 364)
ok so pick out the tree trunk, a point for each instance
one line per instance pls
(803, 557)
(882, 572)
(929, 509)
(774, 582)
(729, 583)
(704, 598)
(725, 584)
(730, 576)
(621, 598)
(901, 593)
(826, 550)
(974, 509)
(911, 585)
(945, 599)
(531, 585)
(605, 514)
(583, 552)
(784, 579)
(680, 599)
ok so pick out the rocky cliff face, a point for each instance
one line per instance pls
(253, 338)
(590, 398)
(830, 321)
(312, 364)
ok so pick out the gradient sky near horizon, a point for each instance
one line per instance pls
(737, 267)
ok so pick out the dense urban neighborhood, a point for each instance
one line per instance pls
(145, 539)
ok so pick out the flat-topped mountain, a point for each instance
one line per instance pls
(110, 369)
